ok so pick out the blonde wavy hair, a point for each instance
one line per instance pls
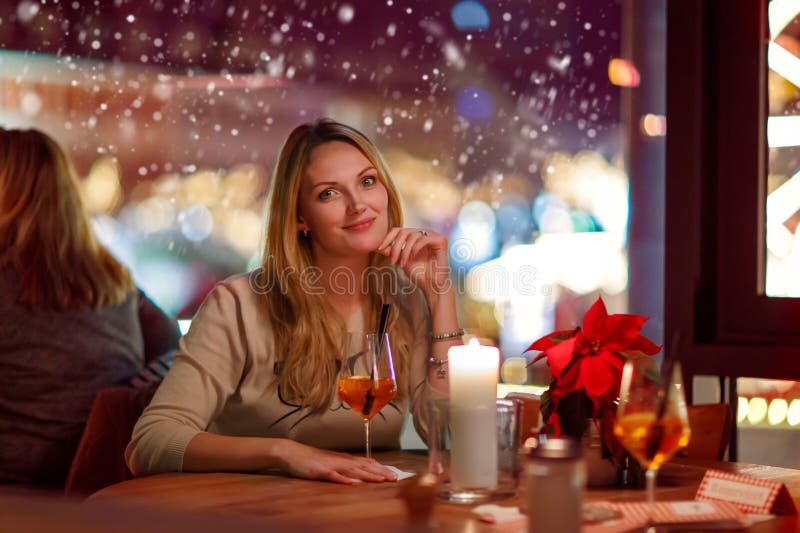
(45, 235)
(307, 330)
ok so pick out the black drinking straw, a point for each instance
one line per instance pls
(385, 310)
(370, 399)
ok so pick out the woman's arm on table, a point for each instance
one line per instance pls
(208, 452)
(171, 435)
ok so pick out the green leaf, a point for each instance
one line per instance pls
(574, 410)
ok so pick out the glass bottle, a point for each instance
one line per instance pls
(555, 479)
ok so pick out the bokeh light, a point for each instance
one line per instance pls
(470, 248)
(514, 370)
(475, 103)
(622, 72)
(653, 125)
(757, 410)
(154, 214)
(470, 15)
(477, 218)
(242, 228)
(551, 214)
(166, 281)
(203, 188)
(514, 219)
(101, 190)
(793, 413)
(743, 407)
(474, 238)
(196, 222)
(583, 222)
(778, 409)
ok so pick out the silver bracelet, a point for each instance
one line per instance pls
(441, 373)
(447, 335)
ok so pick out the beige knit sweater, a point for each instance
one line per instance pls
(223, 381)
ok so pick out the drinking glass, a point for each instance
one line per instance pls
(367, 379)
(652, 422)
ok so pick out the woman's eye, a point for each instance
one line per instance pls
(369, 180)
(324, 195)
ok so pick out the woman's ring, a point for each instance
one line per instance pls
(423, 232)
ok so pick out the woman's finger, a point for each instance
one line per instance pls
(411, 239)
(390, 236)
(399, 245)
(336, 477)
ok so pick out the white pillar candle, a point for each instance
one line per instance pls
(473, 416)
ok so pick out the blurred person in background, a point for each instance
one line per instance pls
(253, 387)
(72, 321)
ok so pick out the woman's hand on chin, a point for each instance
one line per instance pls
(422, 253)
(308, 462)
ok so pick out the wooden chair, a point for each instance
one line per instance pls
(530, 419)
(711, 428)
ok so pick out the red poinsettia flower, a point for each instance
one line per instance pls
(591, 358)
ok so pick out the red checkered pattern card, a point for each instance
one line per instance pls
(708, 514)
(749, 494)
(630, 516)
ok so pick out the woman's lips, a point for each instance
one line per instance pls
(361, 226)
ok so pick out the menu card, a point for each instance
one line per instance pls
(749, 494)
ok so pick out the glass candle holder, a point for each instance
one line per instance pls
(475, 458)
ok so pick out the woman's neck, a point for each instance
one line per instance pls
(342, 281)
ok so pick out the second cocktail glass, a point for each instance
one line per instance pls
(652, 421)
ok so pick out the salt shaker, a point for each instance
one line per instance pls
(555, 478)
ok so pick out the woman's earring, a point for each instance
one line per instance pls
(305, 233)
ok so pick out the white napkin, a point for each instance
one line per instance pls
(496, 514)
(401, 474)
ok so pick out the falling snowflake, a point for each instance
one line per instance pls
(346, 13)
(26, 11)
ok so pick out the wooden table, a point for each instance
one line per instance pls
(291, 504)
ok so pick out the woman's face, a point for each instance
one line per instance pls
(343, 204)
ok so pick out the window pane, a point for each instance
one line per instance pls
(783, 137)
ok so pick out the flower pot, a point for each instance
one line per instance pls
(601, 470)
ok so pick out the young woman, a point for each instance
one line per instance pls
(253, 387)
(69, 313)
